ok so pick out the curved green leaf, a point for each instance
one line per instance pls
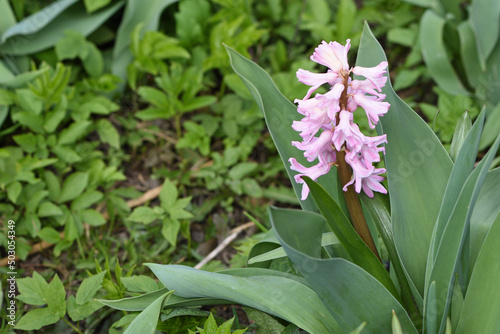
(352, 242)
(75, 18)
(418, 168)
(484, 214)
(469, 53)
(484, 16)
(277, 296)
(450, 245)
(350, 294)
(147, 320)
(482, 302)
(434, 53)
(279, 114)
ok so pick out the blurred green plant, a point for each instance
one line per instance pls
(460, 45)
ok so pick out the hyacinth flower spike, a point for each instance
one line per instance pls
(332, 138)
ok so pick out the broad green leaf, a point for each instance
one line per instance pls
(418, 168)
(73, 132)
(79, 312)
(135, 13)
(49, 209)
(168, 194)
(92, 217)
(13, 191)
(143, 215)
(484, 214)
(89, 288)
(279, 114)
(32, 289)
(469, 53)
(482, 301)
(435, 56)
(8, 17)
(50, 235)
(56, 297)
(463, 127)
(378, 209)
(345, 289)
(327, 239)
(491, 128)
(266, 293)
(147, 320)
(25, 41)
(140, 283)
(36, 319)
(108, 133)
(86, 199)
(484, 21)
(73, 186)
(461, 170)
(450, 245)
(360, 253)
(38, 20)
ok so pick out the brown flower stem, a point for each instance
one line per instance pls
(351, 197)
(353, 205)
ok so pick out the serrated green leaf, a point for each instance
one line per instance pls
(56, 297)
(27, 142)
(36, 319)
(32, 289)
(143, 215)
(266, 323)
(89, 288)
(79, 312)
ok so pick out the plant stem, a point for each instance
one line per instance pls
(72, 326)
(351, 197)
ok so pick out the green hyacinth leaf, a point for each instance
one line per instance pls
(267, 293)
(484, 21)
(435, 55)
(448, 255)
(481, 306)
(360, 253)
(24, 41)
(350, 294)
(418, 168)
